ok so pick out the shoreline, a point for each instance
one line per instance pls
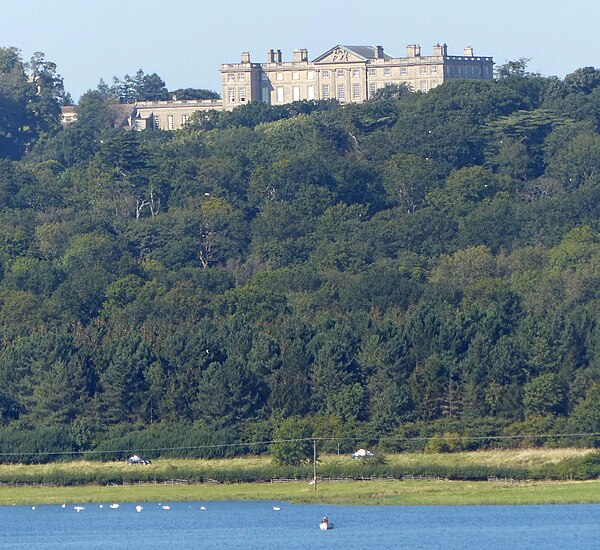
(389, 493)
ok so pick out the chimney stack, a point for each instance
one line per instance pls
(379, 52)
(300, 56)
(440, 50)
(468, 51)
(245, 57)
(413, 50)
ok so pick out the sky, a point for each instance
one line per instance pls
(186, 41)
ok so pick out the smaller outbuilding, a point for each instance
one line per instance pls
(135, 459)
(362, 453)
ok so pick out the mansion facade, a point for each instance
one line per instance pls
(348, 74)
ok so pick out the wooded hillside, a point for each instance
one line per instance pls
(416, 264)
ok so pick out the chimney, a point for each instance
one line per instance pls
(413, 50)
(440, 50)
(245, 57)
(278, 56)
(270, 56)
(300, 56)
(379, 52)
(468, 51)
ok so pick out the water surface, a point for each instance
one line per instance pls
(257, 525)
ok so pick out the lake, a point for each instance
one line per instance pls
(257, 525)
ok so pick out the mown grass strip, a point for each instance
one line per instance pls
(355, 493)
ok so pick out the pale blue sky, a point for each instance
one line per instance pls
(185, 41)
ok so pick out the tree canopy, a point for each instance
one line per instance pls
(416, 264)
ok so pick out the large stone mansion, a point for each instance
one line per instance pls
(349, 74)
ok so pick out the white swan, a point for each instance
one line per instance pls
(138, 508)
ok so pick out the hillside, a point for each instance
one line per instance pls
(416, 265)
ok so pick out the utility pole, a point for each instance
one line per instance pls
(315, 463)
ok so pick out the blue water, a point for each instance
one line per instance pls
(251, 525)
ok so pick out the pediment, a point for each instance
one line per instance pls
(339, 54)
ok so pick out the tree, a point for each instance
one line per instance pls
(140, 87)
(123, 396)
(513, 68)
(292, 446)
(193, 93)
(390, 91)
(408, 178)
(544, 395)
(583, 81)
(229, 394)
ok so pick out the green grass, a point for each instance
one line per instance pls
(352, 493)
(388, 492)
(180, 468)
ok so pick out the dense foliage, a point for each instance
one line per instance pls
(390, 268)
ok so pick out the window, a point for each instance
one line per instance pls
(242, 77)
(296, 93)
(325, 91)
(156, 122)
(280, 96)
(355, 73)
(279, 76)
(356, 91)
(325, 73)
(341, 91)
(423, 86)
(372, 88)
(387, 71)
(230, 77)
(433, 69)
(265, 94)
(403, 71)
(310, 90)
(372, 71)
(171, 122)
(310, 75)
(184, 119)
(423, 70)
(242, 94)
(295, 76)
(340, 72)
(231, 95)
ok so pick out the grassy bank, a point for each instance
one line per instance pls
(87, 481)
(354, 493)
(559, 464)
